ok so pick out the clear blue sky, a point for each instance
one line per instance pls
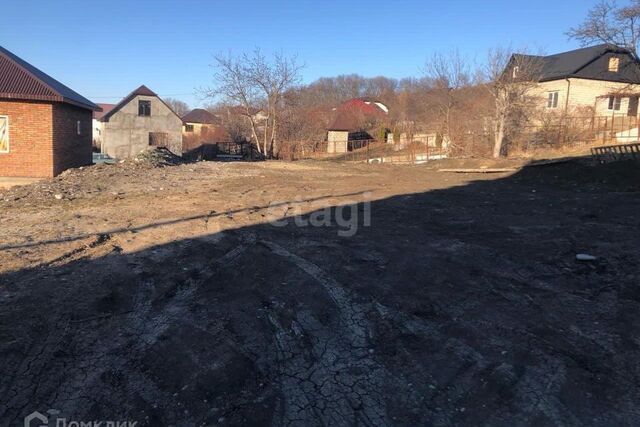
(105, 49)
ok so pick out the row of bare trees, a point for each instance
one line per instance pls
(454, 96)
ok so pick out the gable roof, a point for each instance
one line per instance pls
(353, 115)
(105, 109)
(575, 63)
(200, 115)
(21, 80)
(140, 91)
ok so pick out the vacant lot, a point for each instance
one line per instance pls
(165, 296)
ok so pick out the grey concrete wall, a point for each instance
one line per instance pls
(126, 133)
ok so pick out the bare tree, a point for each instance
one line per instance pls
(449, 74)
(255, 82)
(179, 107)
(607, 22)
(511, 80)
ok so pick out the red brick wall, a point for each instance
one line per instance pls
(71, 150)
(30, 139)
(43, 139)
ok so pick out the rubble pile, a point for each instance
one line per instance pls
(91, 181)
(157, 157)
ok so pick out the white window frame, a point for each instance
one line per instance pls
(79, 127)
(614, 103)
(616, 68)
(515, 72)
(7, 130)
(553, 98)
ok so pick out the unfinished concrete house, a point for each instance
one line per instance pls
(141, 120)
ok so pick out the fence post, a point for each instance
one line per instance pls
(368, 159)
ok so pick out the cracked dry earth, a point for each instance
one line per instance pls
(169, 299)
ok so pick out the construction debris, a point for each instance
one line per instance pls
(158, 157)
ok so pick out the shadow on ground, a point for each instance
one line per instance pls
(454, 307)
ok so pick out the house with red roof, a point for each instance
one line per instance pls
(45, 127)
(354, 120)
(141, 120)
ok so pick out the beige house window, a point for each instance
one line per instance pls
(188, 128)
(614, 64)
(4, 134)
(552, 100)
(614, 103)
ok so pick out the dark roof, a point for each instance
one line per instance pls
(105, 109)
(581, 63)
(144, 91)
(141, 91)
(200, 115)
(21, 80)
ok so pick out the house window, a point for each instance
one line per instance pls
(4, 134)
(552, 100)
(188, 128)
(614, 64)
(79, 127)
(144, 108)
(515, 72)
(614, 103)
(158, 139)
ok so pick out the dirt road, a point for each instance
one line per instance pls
(227, 294)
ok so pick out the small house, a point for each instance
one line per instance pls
(353, 122)
(97, 125)
(604, 79)
(141, 120)
(45, 127)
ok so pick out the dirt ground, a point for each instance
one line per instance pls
(226, 294)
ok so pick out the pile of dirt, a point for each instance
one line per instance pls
(91, 181)
(157, 157)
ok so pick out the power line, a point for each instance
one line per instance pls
(161, 95)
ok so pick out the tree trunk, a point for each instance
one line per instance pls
(273, 135)
(498, 136)
(255, 134)
(265, 139)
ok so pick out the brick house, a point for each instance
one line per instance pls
(45, 127)
(602, 80)
(142, 119)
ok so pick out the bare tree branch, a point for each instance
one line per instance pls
(256, 83)
(607, 22)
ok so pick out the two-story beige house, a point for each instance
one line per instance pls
(604, 79)
(141, 120)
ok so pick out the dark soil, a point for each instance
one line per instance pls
(461, 303)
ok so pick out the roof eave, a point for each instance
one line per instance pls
(92, 106)
(27, 97)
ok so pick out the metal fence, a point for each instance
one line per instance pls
(578, 131)
(369, 151)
